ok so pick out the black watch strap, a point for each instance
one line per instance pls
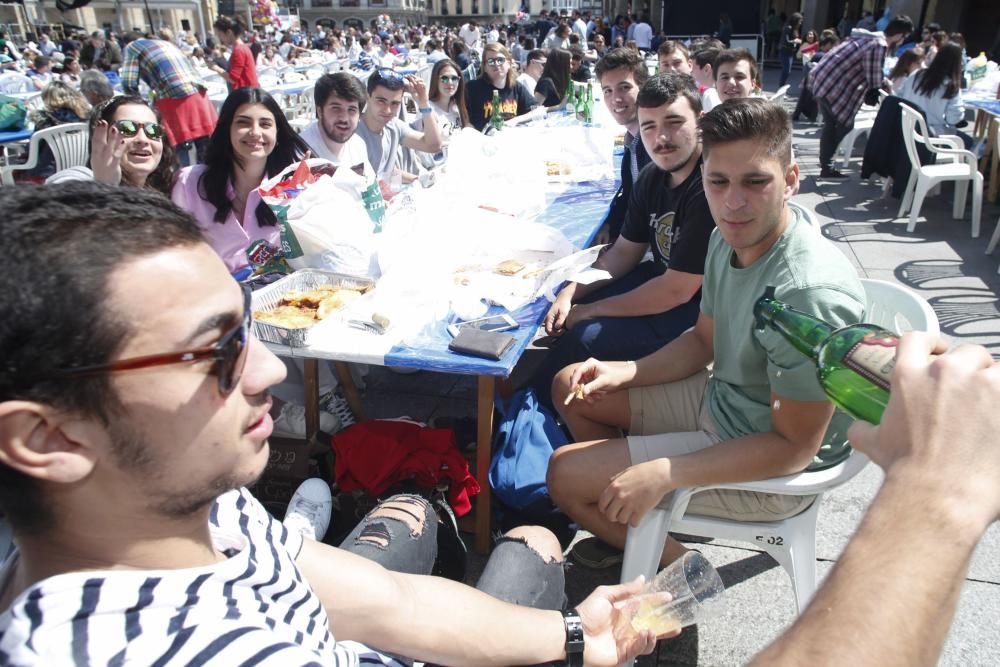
(574, 638)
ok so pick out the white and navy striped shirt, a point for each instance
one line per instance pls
(254, 608)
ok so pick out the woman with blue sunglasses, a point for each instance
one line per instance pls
(128, 146)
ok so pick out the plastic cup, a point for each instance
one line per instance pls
(695, 594)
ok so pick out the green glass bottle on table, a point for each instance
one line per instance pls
(571, 100)
(496, 119)
(588, 104)
(854, 363)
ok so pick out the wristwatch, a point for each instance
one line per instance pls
(574, 638)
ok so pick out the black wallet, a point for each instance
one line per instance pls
(489, 344)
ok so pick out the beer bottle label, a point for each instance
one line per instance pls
(873, 357)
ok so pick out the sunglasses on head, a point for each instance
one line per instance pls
(449, 79)
(130, 128)
(496, 62)
(390, 74)
(229, 355)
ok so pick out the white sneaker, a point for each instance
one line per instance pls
(291, 422)
(310, 509)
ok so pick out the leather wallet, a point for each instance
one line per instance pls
(489, 344)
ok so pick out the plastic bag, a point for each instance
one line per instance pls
(12, 114)
(328, 216)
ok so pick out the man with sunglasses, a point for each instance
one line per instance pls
(128, 431)
(181, 98)
(533, 67)
(384, 132)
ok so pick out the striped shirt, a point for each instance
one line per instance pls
(167, 71)
(848, 71)
(254, 608)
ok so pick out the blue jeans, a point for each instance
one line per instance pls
(614, 338)
(786, 66)
(401, 535)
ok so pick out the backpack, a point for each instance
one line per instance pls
(12, 114)
(527, 435)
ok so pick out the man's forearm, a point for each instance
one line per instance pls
(446, 622)
(680, 358)
(887, 601)
(657, 295)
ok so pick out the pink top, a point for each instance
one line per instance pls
(230, 239)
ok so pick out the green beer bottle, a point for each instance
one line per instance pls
(854, 363)
(571, 100)
(496, 119)
(588, 105)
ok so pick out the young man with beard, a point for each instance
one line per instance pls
(123, 456)
(759, 411)
(340, 97)
(644, 304)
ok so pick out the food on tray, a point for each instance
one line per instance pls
(509, 267)
(553, 168)
(300, 309)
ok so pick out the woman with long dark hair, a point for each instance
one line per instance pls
(550, 91)
(447, 95)
(252, 142)
(938, 91)
(128, 146)
(790, 43)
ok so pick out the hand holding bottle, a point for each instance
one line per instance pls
(940, 428)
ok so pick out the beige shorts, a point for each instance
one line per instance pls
(672, 419)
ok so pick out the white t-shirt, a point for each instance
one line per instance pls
(470, 37)
(710, 99)
(253, 608)
(528, 81)
(352, 154)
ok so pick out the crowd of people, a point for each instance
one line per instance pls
(125, 453)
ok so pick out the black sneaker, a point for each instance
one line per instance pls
(596, 554)
(830, 172)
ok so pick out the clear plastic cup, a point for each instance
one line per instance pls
(684, 593)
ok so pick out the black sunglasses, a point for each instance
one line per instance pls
(229, 355)
(130, 128)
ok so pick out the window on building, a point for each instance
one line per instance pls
(185, 25)
(458, 7)
(496, 7)
(444, 7)
(475, 6)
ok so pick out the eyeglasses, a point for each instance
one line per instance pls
(449, 79)
(130, 128)
(496, 62)
(229, 355)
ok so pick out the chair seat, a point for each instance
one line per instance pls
(949, 171)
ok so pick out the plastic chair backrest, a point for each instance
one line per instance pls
(898, 308)
(911, 120)
(15, 83)
(67, 142)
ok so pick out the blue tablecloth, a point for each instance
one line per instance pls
(17, 135)
(989, 106)
(578, 213)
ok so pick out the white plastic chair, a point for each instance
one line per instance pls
(14, 82)
(303, 110)
(68, 144)
(924, 177)
(779, 94)
(791, 541)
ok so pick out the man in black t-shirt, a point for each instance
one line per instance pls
(644, 305)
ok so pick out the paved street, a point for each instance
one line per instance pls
(951, 271)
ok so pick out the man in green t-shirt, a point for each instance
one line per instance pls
(759, 411)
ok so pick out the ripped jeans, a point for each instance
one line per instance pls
(401, 535)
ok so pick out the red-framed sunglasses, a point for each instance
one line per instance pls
(229, 354)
